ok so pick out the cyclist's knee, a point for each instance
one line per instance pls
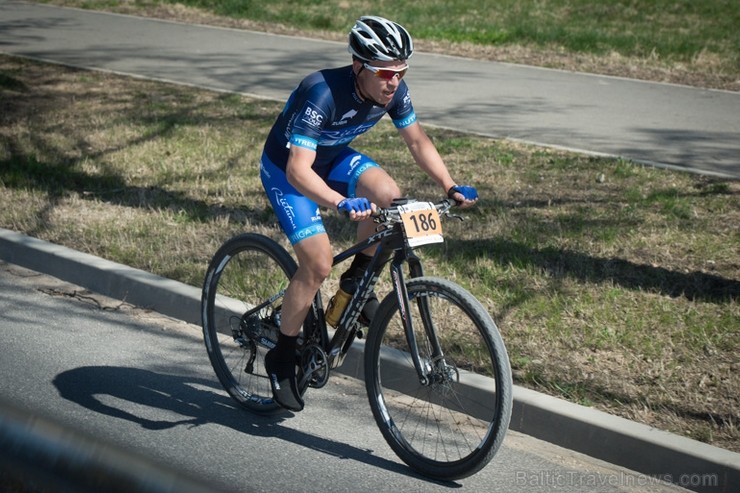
(379, 187)
(315, 259)
(386, 193)
(322, 267)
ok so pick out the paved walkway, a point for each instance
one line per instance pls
(662, 124)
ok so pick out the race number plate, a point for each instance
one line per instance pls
(421, 223)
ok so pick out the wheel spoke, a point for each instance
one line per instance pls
(452, 426)
(245, 272)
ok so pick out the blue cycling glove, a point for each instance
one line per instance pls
(348, 205)
(470, 193)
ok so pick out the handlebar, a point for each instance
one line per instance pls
(392, 214)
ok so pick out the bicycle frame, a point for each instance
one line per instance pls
(387, 240)
(347, 326)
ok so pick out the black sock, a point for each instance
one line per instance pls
(358, 266)
(285, 349)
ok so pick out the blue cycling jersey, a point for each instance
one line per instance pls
(324, 113)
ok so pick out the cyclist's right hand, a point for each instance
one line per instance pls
(356, 209)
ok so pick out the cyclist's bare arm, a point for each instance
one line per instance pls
(427, 158)
(301, 175)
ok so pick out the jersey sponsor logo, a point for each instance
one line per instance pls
(312, 116)
(376, 112)
(349, 114)
(285, 205)
(304, 233)
(353, 164)
(302, 141)
(358, 170)
(406, 121)
(345, 118)
(264, 171)
(343, 136)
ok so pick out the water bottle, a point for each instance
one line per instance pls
(338, 302)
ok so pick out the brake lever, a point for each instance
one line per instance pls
(454, 216)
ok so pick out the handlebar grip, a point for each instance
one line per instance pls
(358, 204)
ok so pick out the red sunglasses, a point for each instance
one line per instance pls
(387, 73)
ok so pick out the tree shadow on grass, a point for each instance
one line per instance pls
(560, 263)
(22, 168)
(36, 160)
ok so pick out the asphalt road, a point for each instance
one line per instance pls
(142, 382)
(666, 125)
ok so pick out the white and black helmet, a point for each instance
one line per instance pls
(375, 38)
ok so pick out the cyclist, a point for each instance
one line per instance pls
(307, 164)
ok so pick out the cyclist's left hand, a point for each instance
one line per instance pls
(464, 195)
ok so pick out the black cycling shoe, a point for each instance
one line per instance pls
(283, 382)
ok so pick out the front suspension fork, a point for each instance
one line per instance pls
(404, 304)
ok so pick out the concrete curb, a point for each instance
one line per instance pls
(688, 463)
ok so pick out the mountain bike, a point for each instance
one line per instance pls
(436, 369)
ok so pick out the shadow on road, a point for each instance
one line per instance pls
(140, 396)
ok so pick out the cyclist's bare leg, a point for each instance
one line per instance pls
(314, 265)
(377, 186)
(380, 189)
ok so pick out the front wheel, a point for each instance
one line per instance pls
(449, 422)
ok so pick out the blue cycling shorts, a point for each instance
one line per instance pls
(299, 216)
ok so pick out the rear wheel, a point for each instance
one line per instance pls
(452, 423)
(246, 272)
